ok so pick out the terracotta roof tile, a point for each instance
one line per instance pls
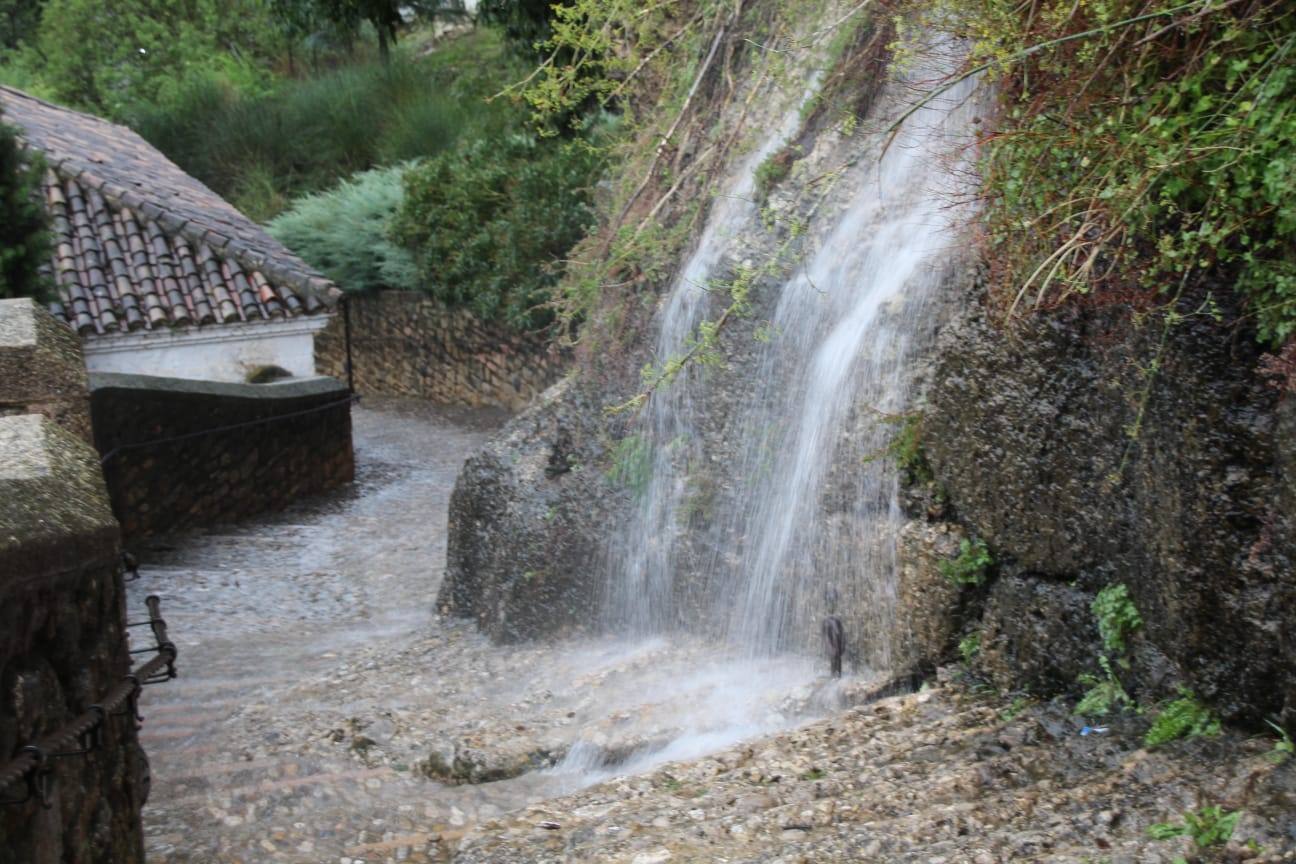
(139, 244)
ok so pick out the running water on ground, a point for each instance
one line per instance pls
(323, 712)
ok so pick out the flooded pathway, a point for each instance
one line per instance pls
(260, 610)
(324, 713)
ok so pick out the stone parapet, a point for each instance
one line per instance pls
(41, 368)
(62, 647)
(181, 454)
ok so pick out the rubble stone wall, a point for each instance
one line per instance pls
(180, 454)
(407, 344)
(62, 606)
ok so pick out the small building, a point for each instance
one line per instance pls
(158, 274)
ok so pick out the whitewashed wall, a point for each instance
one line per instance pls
(226, 352)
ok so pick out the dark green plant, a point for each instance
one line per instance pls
(1103, 692)
(1210, 826)
(906, 448)
(970, 565)
(1182, 717)
(491, 222)
(1117, 617)
(1090, 189)
(24, 240)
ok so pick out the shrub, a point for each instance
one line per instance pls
(491, 221)
(1183, 717)
(307, 134)
(1091, 189)
(24, 242)
(346, 232)
(1117, 617)
(970, 565)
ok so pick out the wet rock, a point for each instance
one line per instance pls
(1028, 430)
(1037, 635)
(527, 521)
(927, 614)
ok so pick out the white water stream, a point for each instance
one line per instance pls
(803, 516)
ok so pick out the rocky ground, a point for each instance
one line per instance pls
(945, 775)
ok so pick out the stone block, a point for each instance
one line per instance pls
(42, 370)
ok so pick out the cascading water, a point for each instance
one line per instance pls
(802, 516)
(806, 521)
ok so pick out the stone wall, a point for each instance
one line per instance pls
(41, 368)
(1028, 436)
(62, 606)
(273, 444)
(407, 344)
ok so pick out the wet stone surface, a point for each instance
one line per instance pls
(324, 713)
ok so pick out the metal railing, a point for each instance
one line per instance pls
(84, 734)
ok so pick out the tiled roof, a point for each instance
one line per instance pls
(139, 244)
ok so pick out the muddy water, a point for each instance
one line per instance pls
(324, 713)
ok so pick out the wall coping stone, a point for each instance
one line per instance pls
(294, 388)
(54, 510)
(40, 364)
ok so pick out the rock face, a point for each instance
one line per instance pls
(1032, 434)
(528, 520)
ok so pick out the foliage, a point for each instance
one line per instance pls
(19, 20)
(632, 464)
(525, 23)
(1140, 144)
(491, 221)
(24, 242)
(1117, 617)
(1103, 694)
(970, 565)
(304, 135)
(1284, 748)
(908, 451)
(106, 55)
(1210, 826)
(969, 646)
(1185, 716)
(345, 232)
(773, 171)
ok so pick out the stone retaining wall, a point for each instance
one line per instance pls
(274, 443)
(407, 344)
(62, 605)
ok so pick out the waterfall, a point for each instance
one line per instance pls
(804, 515)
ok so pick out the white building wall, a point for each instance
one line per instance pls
(224, 352)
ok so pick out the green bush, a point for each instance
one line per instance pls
(970, 565)
(1183, 717)
(491, 222)
(1117, 617)
(346, 232)
(1140, 146)
(24, 243)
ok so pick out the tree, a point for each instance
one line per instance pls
(19, 20)
(24, 243)
(525, 23)
(383, 15)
